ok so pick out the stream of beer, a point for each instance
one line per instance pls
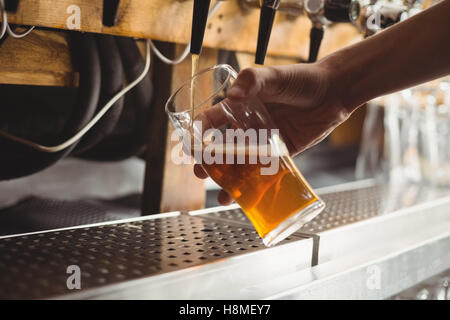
(194, 70)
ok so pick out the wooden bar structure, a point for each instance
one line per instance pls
(232, 27)
(42, 58)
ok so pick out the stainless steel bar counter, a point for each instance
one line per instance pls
(372, 241)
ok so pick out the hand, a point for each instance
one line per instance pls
(300, 99)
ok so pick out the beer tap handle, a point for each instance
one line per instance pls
(324, 12)
(199, 18)
(265, 29)
(315, 39)
(110, 7)
(11, 5)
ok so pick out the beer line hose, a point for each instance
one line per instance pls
(92, 122)
(149, 47)
(112, 82)
(4, 19)
(187, 50)
(5, 26)
(120, 147)
(20, 160)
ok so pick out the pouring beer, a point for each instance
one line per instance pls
(239, 147)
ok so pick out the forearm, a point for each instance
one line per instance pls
(412, 52)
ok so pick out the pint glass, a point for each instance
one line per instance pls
(241, 149)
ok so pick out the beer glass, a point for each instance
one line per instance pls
(240, 148)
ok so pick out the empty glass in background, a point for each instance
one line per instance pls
(426, 152)
(416, 135)
(411, 137)
(435, 130)
(434, 288)
(276, 203)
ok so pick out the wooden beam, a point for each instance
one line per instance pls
(231, 27)
(157, 134)
(181, 189)
(42, 57)
(169, 186)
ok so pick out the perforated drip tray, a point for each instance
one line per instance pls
(341, 209)
(35, 265)
(347, 206)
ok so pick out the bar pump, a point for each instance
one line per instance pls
(199, 18)
(324, 12)
(268, 9)
(379, 15)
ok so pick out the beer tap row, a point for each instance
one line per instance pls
(369, 16)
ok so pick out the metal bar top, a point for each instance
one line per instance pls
(401, 231)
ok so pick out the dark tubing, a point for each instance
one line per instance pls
(112, 80)
(265, 29)
(199, 18)
(18, 160)
(2, 40)
(139, 98)
(315, 39)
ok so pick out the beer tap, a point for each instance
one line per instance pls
(368, 15)
(199, 18)
(379, 15)
(324, 12)
(267, 15)
(200, 15)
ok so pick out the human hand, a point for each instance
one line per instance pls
(301, 99)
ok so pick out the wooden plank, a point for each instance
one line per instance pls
(169, 186)
(157, 134)
(41, 58)
(181, 189)
(231, 27)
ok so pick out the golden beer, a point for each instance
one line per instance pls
(267, 200)
(278, 202)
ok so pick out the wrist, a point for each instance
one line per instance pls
(343, 81)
